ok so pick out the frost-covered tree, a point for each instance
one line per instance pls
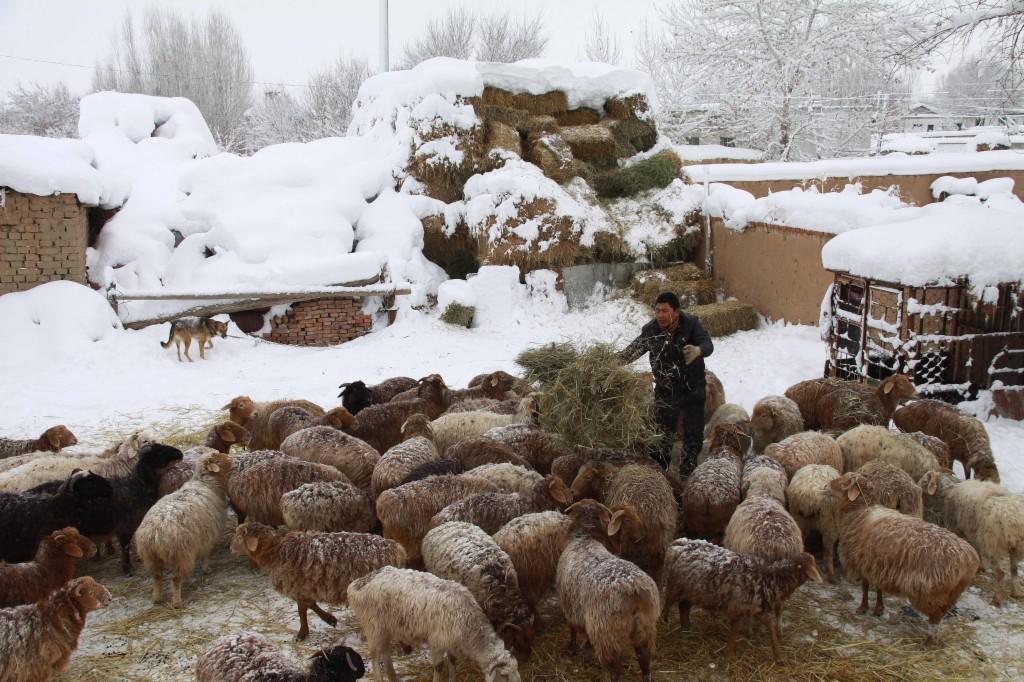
(40, 109)
(601, 44)
(329, 98)
(977, 86)
(462, 33)
(277, 117)
(785, 76)
(172, 56)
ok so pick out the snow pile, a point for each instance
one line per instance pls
(950, 185)
(941, 243)
(136, 136)
(907, 144)
(45, 166)
(656, 217)
(50, 322)
(834, 212)
(704, 152)
(455, 291)
(499, 295)
(991, 138)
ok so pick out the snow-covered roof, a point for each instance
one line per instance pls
(44, 166)
(939, 244)
(703, 152)
(890, 164)
(908, 144)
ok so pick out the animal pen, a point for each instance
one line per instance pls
(950, 342)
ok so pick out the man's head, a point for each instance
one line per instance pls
(666, 310)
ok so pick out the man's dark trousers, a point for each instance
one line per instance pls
(679, 412)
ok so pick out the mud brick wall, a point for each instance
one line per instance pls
(322, 322)
(42, 239)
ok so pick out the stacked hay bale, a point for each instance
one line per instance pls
(442, 173)
(698, 297)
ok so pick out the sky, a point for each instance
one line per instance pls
(287, 40)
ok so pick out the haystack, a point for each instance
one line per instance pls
(553, 156)
(577, 117)
(514, 117)
(633, 106)
(542, 123)
(546, 103)
(442, 178)
(458, 315)
(590, 143)
(503, 136)
(632, 132)
(652, 173)
(686, 280)
(592, 400)
(722, 319)
(556, 242)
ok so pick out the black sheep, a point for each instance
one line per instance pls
(132, 497)
(26, 518)
(357, 395)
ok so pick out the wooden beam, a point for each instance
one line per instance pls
(304, 295)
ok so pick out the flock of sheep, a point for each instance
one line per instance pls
(443, 517)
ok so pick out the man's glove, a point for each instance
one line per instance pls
(690, 353)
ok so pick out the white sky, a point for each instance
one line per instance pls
(287, 39)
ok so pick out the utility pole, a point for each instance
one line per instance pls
(384, 36)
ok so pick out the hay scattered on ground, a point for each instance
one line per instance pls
(589, 398)
(458, 314)
(722, 319)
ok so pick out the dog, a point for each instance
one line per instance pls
(202, 328)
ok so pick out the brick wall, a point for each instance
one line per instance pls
(322, 322)
(42, 239)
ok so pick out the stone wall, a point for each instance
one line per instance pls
(42, 239)
(322, 322)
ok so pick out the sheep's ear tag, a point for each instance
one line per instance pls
(213, 467)
(616, 523)
(853, 492)
(888, 388)
(251, 544)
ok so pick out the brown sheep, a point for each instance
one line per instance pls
(287, 420)
(762, 527)
(966, 436)
(480, 450)
(538, 447)
(839, 405)
(712, 491)
(491, 511)
(53, 565)
(381, 425)
(714, 394)
(774, 417)
(256, 491)
(52, 439)
(222, 436)
(395, 465)
(325, 445)
(807, 447)
(255, 417)
(534, 542)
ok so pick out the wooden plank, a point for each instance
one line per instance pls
(348, 292)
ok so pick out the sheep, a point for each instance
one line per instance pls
(934, 445)
(934, 487)
(400, 605)
(568, 466)
(714, 394)
(52, 439)
(987, 516)
(351, 456)
(868, 442)
(966, 436)
(762, 527)
(763, 475)
(256, 491)
(309, 566)
(712, 493)
(451, 428)
(329, 507)
(517, 386)
(185, 526)
(117, 460)
(254, 417)
(414, 392)
(495, 386)
(774, 417)
(356, 396)
(222, 436)
(732, 413)
(438, 467)
(179, 473)
(466, 554)
(901, 554)
(538, 447)
(251, 657)
(891, 487)
(698, 573)
(534, 542)
(37, 640)
(806, 447)
(287, 420)
(643, 499)
(836, 404)
(381, 425)
(53, 565)
(508, 477)
(26, 519)
(508, 406)
(609, 600)
(405, 511)
(814, 508)
(400, 460)
(480, 450)
(491, 511)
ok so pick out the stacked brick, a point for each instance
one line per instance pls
(322, 322)
(42, 239)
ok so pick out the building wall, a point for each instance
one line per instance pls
(42, 239)
(322, 322)
(776, 269)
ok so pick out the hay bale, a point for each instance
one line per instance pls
(634, 106)
(577, 117)
(632, 133)
(590, 399)
(553, 156)
(443, 178)
(540, 124)
(503, 136)
(554, 244)
(546, 103)
(590, 142)
(646, 286)
(722, 319)
(458, 315)
(655, 172)
(516, 118)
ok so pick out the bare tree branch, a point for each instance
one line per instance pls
(601, 44)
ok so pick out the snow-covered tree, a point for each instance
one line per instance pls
(601, 44)
(40, 109)
(277, 117)
(329, 98)
(462, 33)
(503, 38)
(785, 76)
(172, 56)
(450, 35)
(977, 86)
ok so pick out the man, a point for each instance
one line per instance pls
(677, 344)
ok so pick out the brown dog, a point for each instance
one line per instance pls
(202, 328)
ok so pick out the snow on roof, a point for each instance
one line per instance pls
(858, 167)
(809, 209)
(44, 166)
(938, 245)
(908, 144)
(704, 152)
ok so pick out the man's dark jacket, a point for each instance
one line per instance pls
(672, 376)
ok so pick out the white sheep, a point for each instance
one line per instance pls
(814, 508)
(329, 506)
(806, 447)
(867, 442)
(351, 456)
(509, 478)
(449, 429)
